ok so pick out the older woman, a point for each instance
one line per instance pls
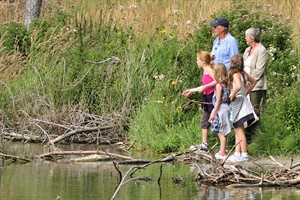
(255, 63)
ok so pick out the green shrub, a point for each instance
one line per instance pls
(147, 83)
(15, 38)
(280, 125)
(178, 66)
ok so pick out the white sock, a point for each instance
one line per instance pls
(245, 154)
(237, 154)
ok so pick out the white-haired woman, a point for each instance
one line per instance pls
(255, 63)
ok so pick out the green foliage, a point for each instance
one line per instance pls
(160, 125)
(68, 63)
(276, 37)
(276, 31)
(172, 61)
(281, 126)
(16, 38)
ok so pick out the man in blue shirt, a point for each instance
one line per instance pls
(225, 45)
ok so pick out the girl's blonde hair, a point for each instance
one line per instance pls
(221, 74)
(206, 57)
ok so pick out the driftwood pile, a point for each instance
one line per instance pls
(79, 127)
(256, 173)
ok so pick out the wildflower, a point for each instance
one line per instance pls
(163, 31)
(122, 9)
(189, 22)
(177, 12)
(274, 73)
(161, 77)
(173, 82)
(133, 6)
(292, 75)
(294, 67)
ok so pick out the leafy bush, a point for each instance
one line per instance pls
(147, 82)
(15, 38)
(280, 128)
(275, 36)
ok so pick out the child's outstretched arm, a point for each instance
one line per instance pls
(211, 84)
(192, 90)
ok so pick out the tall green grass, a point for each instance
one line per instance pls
(64, 63)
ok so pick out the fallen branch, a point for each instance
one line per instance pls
(281, 165)
(77, 131)
(135, 168)
(15, 157)
(63, 153)
(25, 137)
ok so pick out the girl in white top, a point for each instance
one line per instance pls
(242, 111)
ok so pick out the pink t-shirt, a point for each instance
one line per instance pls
(206, 79)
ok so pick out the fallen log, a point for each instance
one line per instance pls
(77, 131)
(24, 137)
(91, 158)
(15, 158)
(64, 153)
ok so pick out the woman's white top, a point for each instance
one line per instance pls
(247, 62)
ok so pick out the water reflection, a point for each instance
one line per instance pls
(98, 180)
(248, 193)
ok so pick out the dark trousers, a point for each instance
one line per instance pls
(258, 100)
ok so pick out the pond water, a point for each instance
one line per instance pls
(98, 180)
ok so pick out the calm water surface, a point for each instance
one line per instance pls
(98, 180)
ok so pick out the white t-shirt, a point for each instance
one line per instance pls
(247, 64)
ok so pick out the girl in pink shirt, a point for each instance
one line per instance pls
(204, 62)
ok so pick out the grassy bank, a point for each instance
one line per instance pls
(111, 60)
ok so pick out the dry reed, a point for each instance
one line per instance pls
(145, 16)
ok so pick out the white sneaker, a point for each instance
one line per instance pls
(193, 148)
(201, 147)
(236, 159)
(218, 156)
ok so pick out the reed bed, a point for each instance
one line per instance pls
(145, 16)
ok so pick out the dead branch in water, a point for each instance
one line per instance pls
(133, 169)
(50, 155)
(15, 158)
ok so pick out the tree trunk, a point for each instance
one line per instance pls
(33, 10)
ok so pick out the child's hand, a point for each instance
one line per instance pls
(232, 98)
(186, 93)
(200, 89)
(212, 116)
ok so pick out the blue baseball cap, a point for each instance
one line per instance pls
(220, 22)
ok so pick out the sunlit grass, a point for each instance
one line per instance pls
(146, 16)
